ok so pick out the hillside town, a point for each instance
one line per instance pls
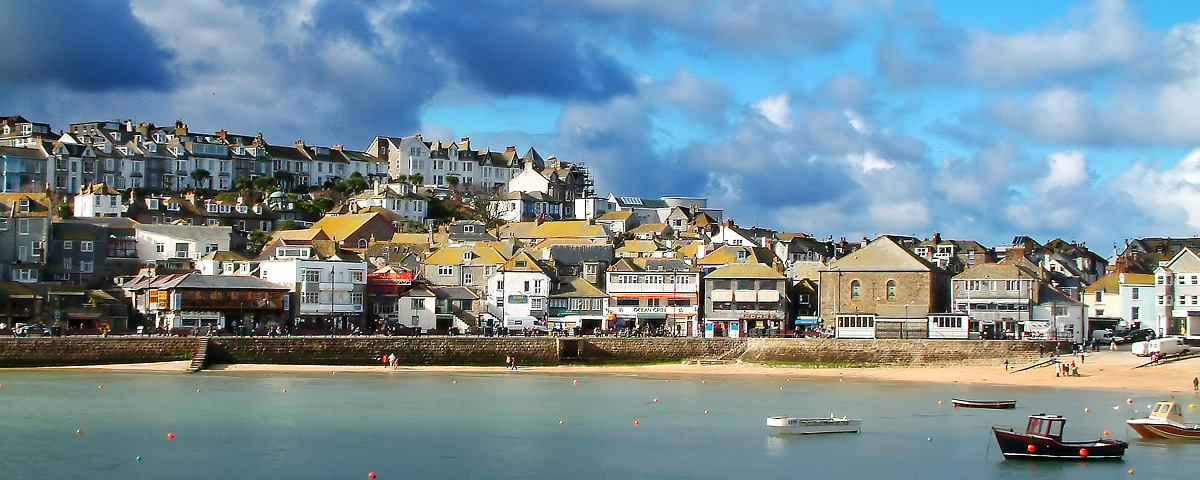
(128, 226)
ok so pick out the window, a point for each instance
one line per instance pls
(23, 226)
(212, 247)
(1134, 293)
(311, 297)
(356, 276)
(356, 299)
(1012, 285)
(3, 224)
(86, 267)
(312, 276)
(1099, 296)
(67, 263)
(1133, 314)
(855, 286)
(160, 247)
(418, 304)
(466, 278)
(445, 270)
(535, 303)
(362, 243)
(741, 255)
(67, 245)
(891, 289)
(974, 285)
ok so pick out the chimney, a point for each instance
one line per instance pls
(338, 147)
(190, 195)
(222, 134)
(510, 148)
(937, 238)
(299, 143)
(466, 139)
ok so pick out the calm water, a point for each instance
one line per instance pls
(507, 426)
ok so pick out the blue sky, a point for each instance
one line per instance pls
(980, 120)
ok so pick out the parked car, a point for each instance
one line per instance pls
(1130, 336)
(396, 328)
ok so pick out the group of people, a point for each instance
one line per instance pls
(391, 360)
(1064, 369)
(510, 362)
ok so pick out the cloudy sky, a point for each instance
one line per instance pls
(979, 120)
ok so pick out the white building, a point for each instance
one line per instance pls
(225, 263)
(520, 287)
(1177, 296)
(327, 284)
(99, 200)
(178, 246)
(397, 198)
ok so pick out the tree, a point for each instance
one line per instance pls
(257, 239)
(243, 184)
(265, 183)
(452, 181)
(356, 183)
(416, 179)
(284, 177)
(288, 225)
(200, 175)
(323, 203)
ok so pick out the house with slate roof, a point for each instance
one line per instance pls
(882, 290)
(1120, 301)
(746, 300)
(23, 169)
(24, 225)
(327, 283)
(1177, 295)
(223, 302)
(656, 294)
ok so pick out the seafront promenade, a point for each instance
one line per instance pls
(487, 351)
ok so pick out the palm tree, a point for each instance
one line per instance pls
(452, 181)
(200, 175)
(416, 178)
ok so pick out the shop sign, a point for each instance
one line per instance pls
(518, 299)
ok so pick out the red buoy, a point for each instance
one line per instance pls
(371, 475)
(1031, 448)
(170, 435)
(1083, 452)
(1106, 433)
(637, 422)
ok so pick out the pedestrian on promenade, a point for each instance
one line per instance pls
(508, 362)
(387, 360)
(1196, 384)
(1081, 357)
(514, 362)
(395, 361)
(1113, 345)
(1006, 364)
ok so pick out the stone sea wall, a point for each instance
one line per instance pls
(34, 352)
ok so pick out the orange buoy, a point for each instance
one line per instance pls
(574, 382)
(1031, 448)
(285, 390)
(170, 435)
(99, 386)
(1131, 471)
(197, 390)
(1083, 452)
(1189, 406)
(637, 422)
(1106, 433)
(560, 422)
(371, 475)
(788, 380)
(939, 402)
(78, 431)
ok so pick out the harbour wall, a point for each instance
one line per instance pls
(36, 352)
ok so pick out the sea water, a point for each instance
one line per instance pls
(518, 425)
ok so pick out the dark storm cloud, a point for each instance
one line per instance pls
(506, 49)
(88, 46)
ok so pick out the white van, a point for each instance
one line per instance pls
(1103, 336)
(520, 324)
(1164, 346)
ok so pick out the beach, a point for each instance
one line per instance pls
(1103, 370)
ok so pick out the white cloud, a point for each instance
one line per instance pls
(776, 109)
(1065, 170)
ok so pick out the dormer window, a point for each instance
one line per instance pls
(242, 209)
(152, 203)
(173, 206)
(469, 228)
(468, 256)
(211, 208)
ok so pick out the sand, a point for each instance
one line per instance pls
(1104, 370)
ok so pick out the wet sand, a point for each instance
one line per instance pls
(1108, 370)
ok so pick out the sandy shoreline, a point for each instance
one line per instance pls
(1105, 370)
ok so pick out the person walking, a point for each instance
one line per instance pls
(1196, 384)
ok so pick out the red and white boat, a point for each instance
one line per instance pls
(1165, 421)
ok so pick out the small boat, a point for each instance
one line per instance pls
(1000, 404)
(1043, 440)
(1165, 421)
(800, 426)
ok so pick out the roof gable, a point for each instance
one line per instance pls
(882, 255)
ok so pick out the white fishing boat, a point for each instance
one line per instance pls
(802, 426)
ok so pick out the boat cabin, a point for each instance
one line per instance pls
(1167, 411)
(1050, 426)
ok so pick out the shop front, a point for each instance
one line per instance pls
(657, 321)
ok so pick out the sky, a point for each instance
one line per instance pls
(979, 120)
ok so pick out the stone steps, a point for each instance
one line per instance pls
(199, 357)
